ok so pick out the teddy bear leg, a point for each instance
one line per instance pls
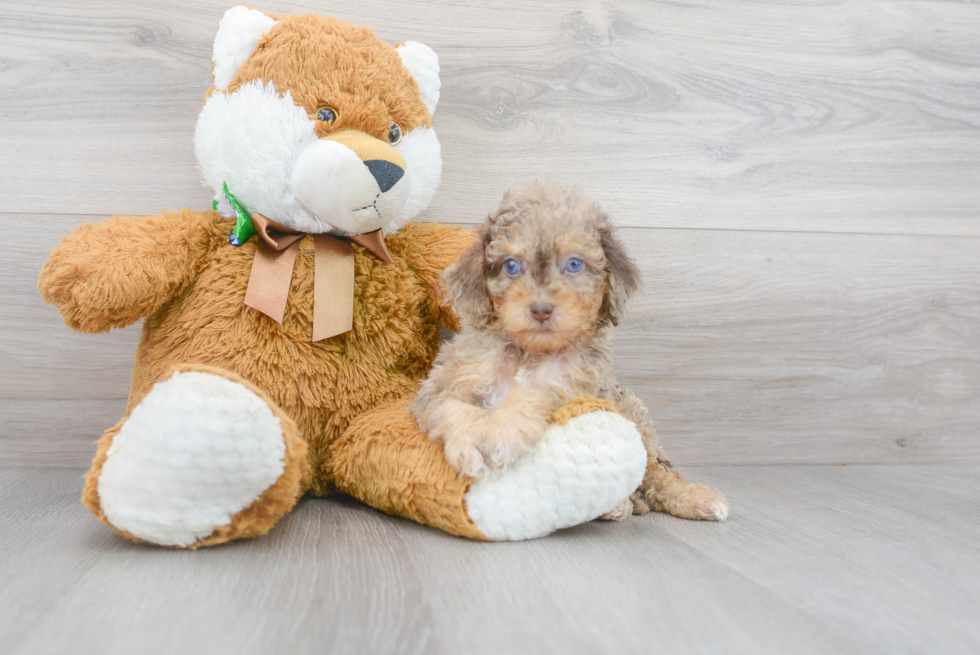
(584, 466)
(383, 459)
(203, 458)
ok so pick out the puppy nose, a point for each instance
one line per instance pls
(385, 172)
(541, 311)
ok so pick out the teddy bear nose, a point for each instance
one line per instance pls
(541, 311)
(386, 173)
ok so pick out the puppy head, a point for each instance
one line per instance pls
(547, 270)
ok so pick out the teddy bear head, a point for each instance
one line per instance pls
(319, 125)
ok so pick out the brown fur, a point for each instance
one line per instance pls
(109, 274)
(97, 284)
(178, 271)
(367, 84)
(493, 390)
(579, 406)
(665, 489)
(392, 465)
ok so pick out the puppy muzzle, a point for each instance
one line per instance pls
(351, 181)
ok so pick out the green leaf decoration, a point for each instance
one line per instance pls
(244, 230)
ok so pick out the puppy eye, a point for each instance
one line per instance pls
(574, 265)
(394, 134)
(512, 267)
(326, 114)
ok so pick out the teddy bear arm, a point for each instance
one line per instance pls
(436, 247)
(114, 272)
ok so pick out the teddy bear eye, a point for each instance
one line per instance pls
(574, 265)
(394, 134)
(326, 114)
(512, 267)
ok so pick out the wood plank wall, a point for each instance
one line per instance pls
(799, 181)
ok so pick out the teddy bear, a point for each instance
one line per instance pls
(287, 328)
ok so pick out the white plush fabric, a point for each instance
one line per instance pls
(576, 473)
(264, 147)
(238, 34)
(332, 182)
(423, 154)
(423, 63)
(198, 449)
(250, 139)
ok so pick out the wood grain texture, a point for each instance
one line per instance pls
(801, 185)
(748, 347)
(814, 560)
(776, 348)
(859, 116)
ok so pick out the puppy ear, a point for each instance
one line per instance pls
(622, 275)
(465, 287)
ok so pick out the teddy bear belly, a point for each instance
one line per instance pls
(316, 384)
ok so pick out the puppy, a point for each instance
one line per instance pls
(537, 295)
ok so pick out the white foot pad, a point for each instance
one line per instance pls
(575, 474)
(198, 449)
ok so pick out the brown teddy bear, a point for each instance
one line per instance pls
(287, 328)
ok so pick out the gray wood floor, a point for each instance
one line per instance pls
(817, 559)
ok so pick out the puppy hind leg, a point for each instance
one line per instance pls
(667, 490)
(621, 512)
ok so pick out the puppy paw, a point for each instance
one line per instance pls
(502, 449)
(464, 456)
(510, 434)
(491, 448)
(619, 513)
(691, 501)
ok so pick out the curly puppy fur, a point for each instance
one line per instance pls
(538, 295)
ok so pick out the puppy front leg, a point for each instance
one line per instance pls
(515, 425)
(458, 427)
(478, 441)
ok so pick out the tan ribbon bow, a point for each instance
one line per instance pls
(333, 274)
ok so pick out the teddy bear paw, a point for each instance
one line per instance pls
(577, 472)
(197, 450)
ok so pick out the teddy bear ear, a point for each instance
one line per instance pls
(239, 32)
(423, 64)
